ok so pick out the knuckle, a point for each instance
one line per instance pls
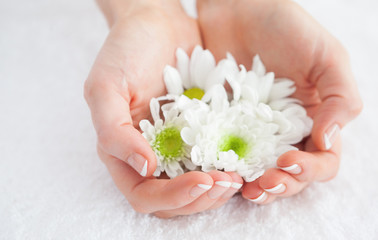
(356, 107)
(175, 203)
(138, 207)
(87, 89)
(104, 135)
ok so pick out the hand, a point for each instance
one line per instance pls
(293, 45)
(127, 73)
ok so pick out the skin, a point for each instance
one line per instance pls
(143, 38)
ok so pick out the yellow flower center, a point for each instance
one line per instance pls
(194, 93)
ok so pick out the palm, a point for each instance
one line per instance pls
(137, 50)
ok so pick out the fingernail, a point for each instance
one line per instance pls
(223, 184)
(259, 199)
(293, 169)
(330, 136)
(236, 185)
(219, 188)
(199, 189)
(139, 163)
(280, 188)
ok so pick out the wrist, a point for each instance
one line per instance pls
(118, 9)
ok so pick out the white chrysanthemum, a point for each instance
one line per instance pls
(226, 138)
(172, 153)
(205, 126)
(256, 88)
(193, 77)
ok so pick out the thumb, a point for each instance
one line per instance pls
(340, 104)
(109, 104)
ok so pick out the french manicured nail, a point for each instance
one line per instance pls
(139, 163)
(199, 189)
(259, 199)
(280, 188)
(236, 185)
(330, 136)
(219, 188)
(293, 169)
(230, 192)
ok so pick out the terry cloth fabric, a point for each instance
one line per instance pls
(53, 186)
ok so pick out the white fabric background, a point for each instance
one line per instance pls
(52, 185)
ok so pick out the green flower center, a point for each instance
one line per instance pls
(169, 143)
(194, 93)
(235, 143)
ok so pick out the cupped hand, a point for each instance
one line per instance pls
(127, 73)
(293, 45)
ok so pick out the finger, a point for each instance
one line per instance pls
(237, 183)
(279, 183)
(311, 166)
(340, 99)
(149, 194)
(108, 98)
(222, 182)
(254, 193)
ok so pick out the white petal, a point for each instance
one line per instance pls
(264, 112)
(155, 109)
(196, 155)
(250, 95)
(147, 128)
(144, 125)
(282, 88)
(189, 136)
(216, 76)
(266, 84)
(254, 176)
(282, 121)
(208, 168)
(173, 81)
(229, 156)
(157, 172)
(258, 67)
(201, 63)
(170, 115)
(235, 85)
(218, 97)
(282, 104)
(173, 169)
(168, 106)
(183, 67)
(183, 103)
(189, 164)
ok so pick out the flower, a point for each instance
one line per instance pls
(193, 77)
(205, 126)
(172, 154)
(256, 88)
(232, 140)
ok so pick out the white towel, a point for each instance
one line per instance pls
(53, 186)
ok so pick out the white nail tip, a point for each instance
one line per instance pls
(280, 188)
(293, 169)
(260, 199)
(330, 138)
(327, 143)
(223, 184)
(236, 185)
(144, 170)
(204, 186)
